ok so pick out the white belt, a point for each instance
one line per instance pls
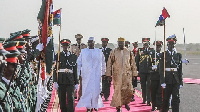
(65, 70)
(170, 69)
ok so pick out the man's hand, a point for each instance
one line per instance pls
(56, 85)
(186, 61)
(180, 86)
(163, 85)
(76, 87)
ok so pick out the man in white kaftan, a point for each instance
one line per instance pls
(91, 66)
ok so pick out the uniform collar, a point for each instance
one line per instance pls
(66, 54)
(173, 51)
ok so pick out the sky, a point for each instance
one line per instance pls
(131, 19)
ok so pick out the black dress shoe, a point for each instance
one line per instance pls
(148, 104)
(95, 109)
(88, 110)
(158, 108)
(132, 99)
(153, 109)
(127, 107)
(106, 99)
(118, 109)
(75, 97)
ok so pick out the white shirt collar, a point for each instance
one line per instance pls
(68, 53)
(173, 51)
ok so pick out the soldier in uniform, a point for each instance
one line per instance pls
(105, 82)
(134, 81)
(172, 80)
(155, 77)
(67, 77)
(143, 62)
(76, 49)
(135, 48)
(8, 102)
(127, 44)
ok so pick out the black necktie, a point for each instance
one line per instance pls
(79, 46)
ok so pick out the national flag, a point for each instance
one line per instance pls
(57, 17)
(162, 18)
(45, 18)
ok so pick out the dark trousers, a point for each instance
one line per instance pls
(156, 93)
(171, 89)
(145, 84)
(106, 87)
(66, 92)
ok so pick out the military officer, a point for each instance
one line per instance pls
(143, 63)
(76, 49)
(155, 77)
(67, 77)
(171, 75)
(134, 81)
(135, 48)
(105, 82)
(127, 44)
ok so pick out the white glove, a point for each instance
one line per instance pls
(40, 47)
(76, 87)
(154, 67)
(186, 61)
(56, 85)
(163, 85)
(180, 86)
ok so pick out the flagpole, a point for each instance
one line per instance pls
(59, 46)
(155, 46)
(164, 49)
(184, 42)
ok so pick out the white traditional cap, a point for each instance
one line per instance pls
(91, 38)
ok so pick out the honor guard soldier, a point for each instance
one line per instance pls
(67, 77)
(143, 62)
(105, 82)
(134, 81)
(127, 44)
(155, 77)
(76, 49)
(171, 75)
(135, 48)
(8, 100)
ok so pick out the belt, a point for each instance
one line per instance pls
(65, 70)
(170, 69)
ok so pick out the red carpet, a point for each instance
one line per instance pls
(191, 81)
(135, 106)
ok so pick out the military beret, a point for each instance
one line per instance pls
(20, 46)
(135, 43)
(26, 33)
(104, 39)
(12, 57)
(172, 38)
(158, 43)
(2, 50)
(78, 36)
(15, 36)
(127, 42)
(65, 42)
(2, 40)
(121, 39)
(11, 46)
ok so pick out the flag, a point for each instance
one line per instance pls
(162, 18)
(57, 17)
(45, 19)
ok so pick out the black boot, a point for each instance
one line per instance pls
(118, 109)
(153, 108)
(89, 110)
(127, 107)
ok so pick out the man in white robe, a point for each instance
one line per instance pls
(91, 67)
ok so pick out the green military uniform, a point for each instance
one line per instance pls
(172, 80)
(143, 62)
(67, 78)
